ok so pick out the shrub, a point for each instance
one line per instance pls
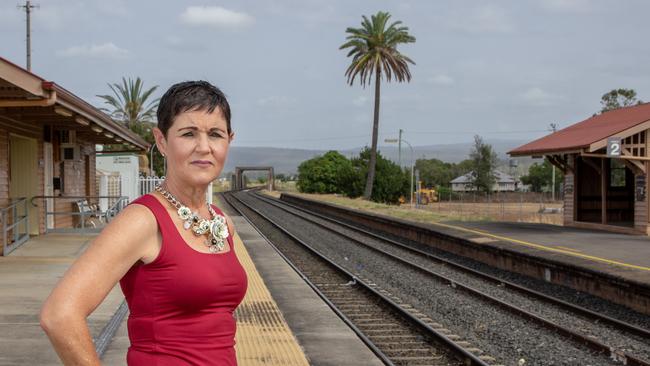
(324, 174)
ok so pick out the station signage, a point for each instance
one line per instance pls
(614, 147)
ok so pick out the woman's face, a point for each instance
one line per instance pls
(196, 146)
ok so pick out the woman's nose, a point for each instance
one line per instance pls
(203, 143)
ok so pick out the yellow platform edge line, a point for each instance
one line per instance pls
(263, 335)
(542, 247)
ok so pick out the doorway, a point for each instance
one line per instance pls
(23, 179)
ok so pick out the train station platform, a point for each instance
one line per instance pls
(280, 322)
(619, 255)
(612, 266)
(27, 276)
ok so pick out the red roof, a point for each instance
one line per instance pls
(587, 132)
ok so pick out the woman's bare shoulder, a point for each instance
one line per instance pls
(134, 224)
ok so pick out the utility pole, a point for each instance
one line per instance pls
(399, 150)
(28, 10)
(553, 127)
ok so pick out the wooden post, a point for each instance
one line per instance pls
(603, 192)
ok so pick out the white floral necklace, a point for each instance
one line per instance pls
(215, 229)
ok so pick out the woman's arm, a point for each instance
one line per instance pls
(91, 277)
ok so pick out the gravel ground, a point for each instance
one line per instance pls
(634, 345)
(585, 300)
(496, 331)
(400, 341)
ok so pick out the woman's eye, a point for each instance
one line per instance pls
(187, 134)
(215, 135)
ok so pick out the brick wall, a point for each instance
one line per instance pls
(75, 179)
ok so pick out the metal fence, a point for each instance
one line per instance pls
(12, 220)
(502, 206)
(147, 185)
(84, 215)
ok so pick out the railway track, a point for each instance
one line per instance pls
(396, 332)
(630, 334)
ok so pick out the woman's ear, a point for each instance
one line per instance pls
(231, 137)
(161, 141)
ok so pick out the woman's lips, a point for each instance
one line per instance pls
(201, 163)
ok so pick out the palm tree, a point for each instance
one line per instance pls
(128, 103)
(374, 51)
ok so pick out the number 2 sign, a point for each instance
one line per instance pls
(613, 146)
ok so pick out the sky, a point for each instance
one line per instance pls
(500, 69)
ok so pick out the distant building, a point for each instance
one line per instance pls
(503, 183)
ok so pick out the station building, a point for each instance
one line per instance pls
(47, 148)
(601, 190)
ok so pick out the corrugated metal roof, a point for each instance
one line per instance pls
(500, 176)
(587, 132)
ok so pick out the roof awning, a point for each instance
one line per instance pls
(26, 97)
(591, 134)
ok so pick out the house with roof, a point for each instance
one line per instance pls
(503, 183)
(47, 153)
(605, 164)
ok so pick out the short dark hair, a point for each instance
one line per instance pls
(191, 96)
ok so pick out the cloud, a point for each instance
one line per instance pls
(566, 6)
(484, 19)
(215, 16)
(277, 101)
(441, 79)
(537, 96)
(106, 50)
(360, 101)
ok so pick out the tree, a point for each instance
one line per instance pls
(129, 106)
(540, 177)
(484, 161)
(324, 174)
(373, 48)
(434, 172)
(618, 98)
(437, 173)
(129, 103)
(391, 181)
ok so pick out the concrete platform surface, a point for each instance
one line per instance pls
(27, 276)
(627, 256)
(325, 339)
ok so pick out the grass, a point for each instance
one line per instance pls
(403, 212)
(443, 211)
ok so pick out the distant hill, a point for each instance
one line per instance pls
(287, 160)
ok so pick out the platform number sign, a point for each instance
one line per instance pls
(614, 146)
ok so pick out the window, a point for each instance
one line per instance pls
(616, 173)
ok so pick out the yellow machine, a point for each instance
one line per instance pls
(427, 195)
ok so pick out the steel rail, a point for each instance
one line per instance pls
(467, 357)
(614, 353)
(579, 309)
(305, 278)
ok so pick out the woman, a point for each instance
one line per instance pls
(172, 252)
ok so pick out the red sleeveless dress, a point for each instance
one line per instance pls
(181, 304)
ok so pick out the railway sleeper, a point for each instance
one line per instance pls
(420, 361)
(388, 331)
(395, 337)
(384, 326)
